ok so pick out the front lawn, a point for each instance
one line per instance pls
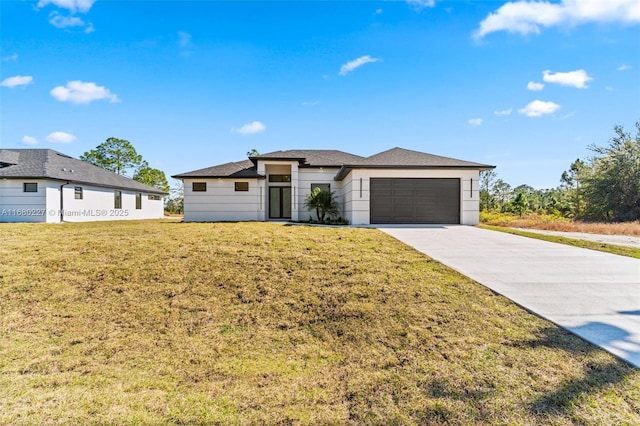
(162, 322)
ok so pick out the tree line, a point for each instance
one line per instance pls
(603, 187)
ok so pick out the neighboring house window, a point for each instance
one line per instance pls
(117, 199)
(199, 186)
(242, 186)
(322, 186)
(138, 201)
(30, 187)
(279, 178)
(78, 192)
(154, 197)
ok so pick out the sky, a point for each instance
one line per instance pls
(526, 86)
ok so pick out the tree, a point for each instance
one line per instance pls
(487, 179)
(571, 181)
(611, 188)
(152, 177)
(520, 203)
(116, 155)
(323, 202)
(253, 153)
(501, 191)
(175, 202)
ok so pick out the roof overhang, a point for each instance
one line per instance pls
(81, 182)
(345, 170)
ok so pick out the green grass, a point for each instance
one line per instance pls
(592, 245)
(162, 322)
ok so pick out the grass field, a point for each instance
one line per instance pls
(556, 223)
(162, 322)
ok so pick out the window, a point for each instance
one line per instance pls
(117, 199)
(199, 186)
(323, 186)
(153, 197)
(30, 187)
(138, 201)
(279, 178)
(77, 192)
(242, 186)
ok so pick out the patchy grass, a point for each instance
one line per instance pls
(161, 322)
(557, 223)
(592, 245)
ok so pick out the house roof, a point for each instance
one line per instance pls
(395, 158)
(239, 169)
(51, 164)
(313, 157)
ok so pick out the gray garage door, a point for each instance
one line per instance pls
(415, 200)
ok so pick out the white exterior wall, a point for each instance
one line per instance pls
(308, 176)
(357, 194)
(221, 202)
(97, 203)
(19, 206)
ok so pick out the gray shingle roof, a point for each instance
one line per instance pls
(314, 157)
(51, 164)
(406, 158)
(395, 158)
(239, 169)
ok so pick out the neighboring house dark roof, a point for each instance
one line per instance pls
(395, 158)
(51, 164)
(239, 169)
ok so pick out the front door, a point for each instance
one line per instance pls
(279, 202)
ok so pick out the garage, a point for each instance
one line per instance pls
(415, 200)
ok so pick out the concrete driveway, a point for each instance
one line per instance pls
(593, 294)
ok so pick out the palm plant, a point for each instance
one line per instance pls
(323, 202)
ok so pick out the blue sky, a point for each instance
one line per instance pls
(526, 86)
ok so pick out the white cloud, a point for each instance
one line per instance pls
(80, 92)
(624, 67)
(60, 137)
(576, 78)
(535, 86)
(18, 80)
(475, 122)
(72, 6)
(29, 140)
(421, 4)
(357, 63)
(528, 17)
(504, 112)
(378, 11)
(184, 39)
(13, 57)
(539, 108)
(250, 128)
(60, 21)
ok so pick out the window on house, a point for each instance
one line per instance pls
(322, 186)
(30, 187)
(138, 201)
(77, 192)
(199, 186)
(242, 186)
(153, 197)
(117, 199)
(279, 178)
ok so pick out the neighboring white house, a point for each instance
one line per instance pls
(394, 186)
(43, 185)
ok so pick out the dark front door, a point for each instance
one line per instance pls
(415, 201)
(279, 202)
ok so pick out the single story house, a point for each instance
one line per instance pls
(43, 185)
(394, 186)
